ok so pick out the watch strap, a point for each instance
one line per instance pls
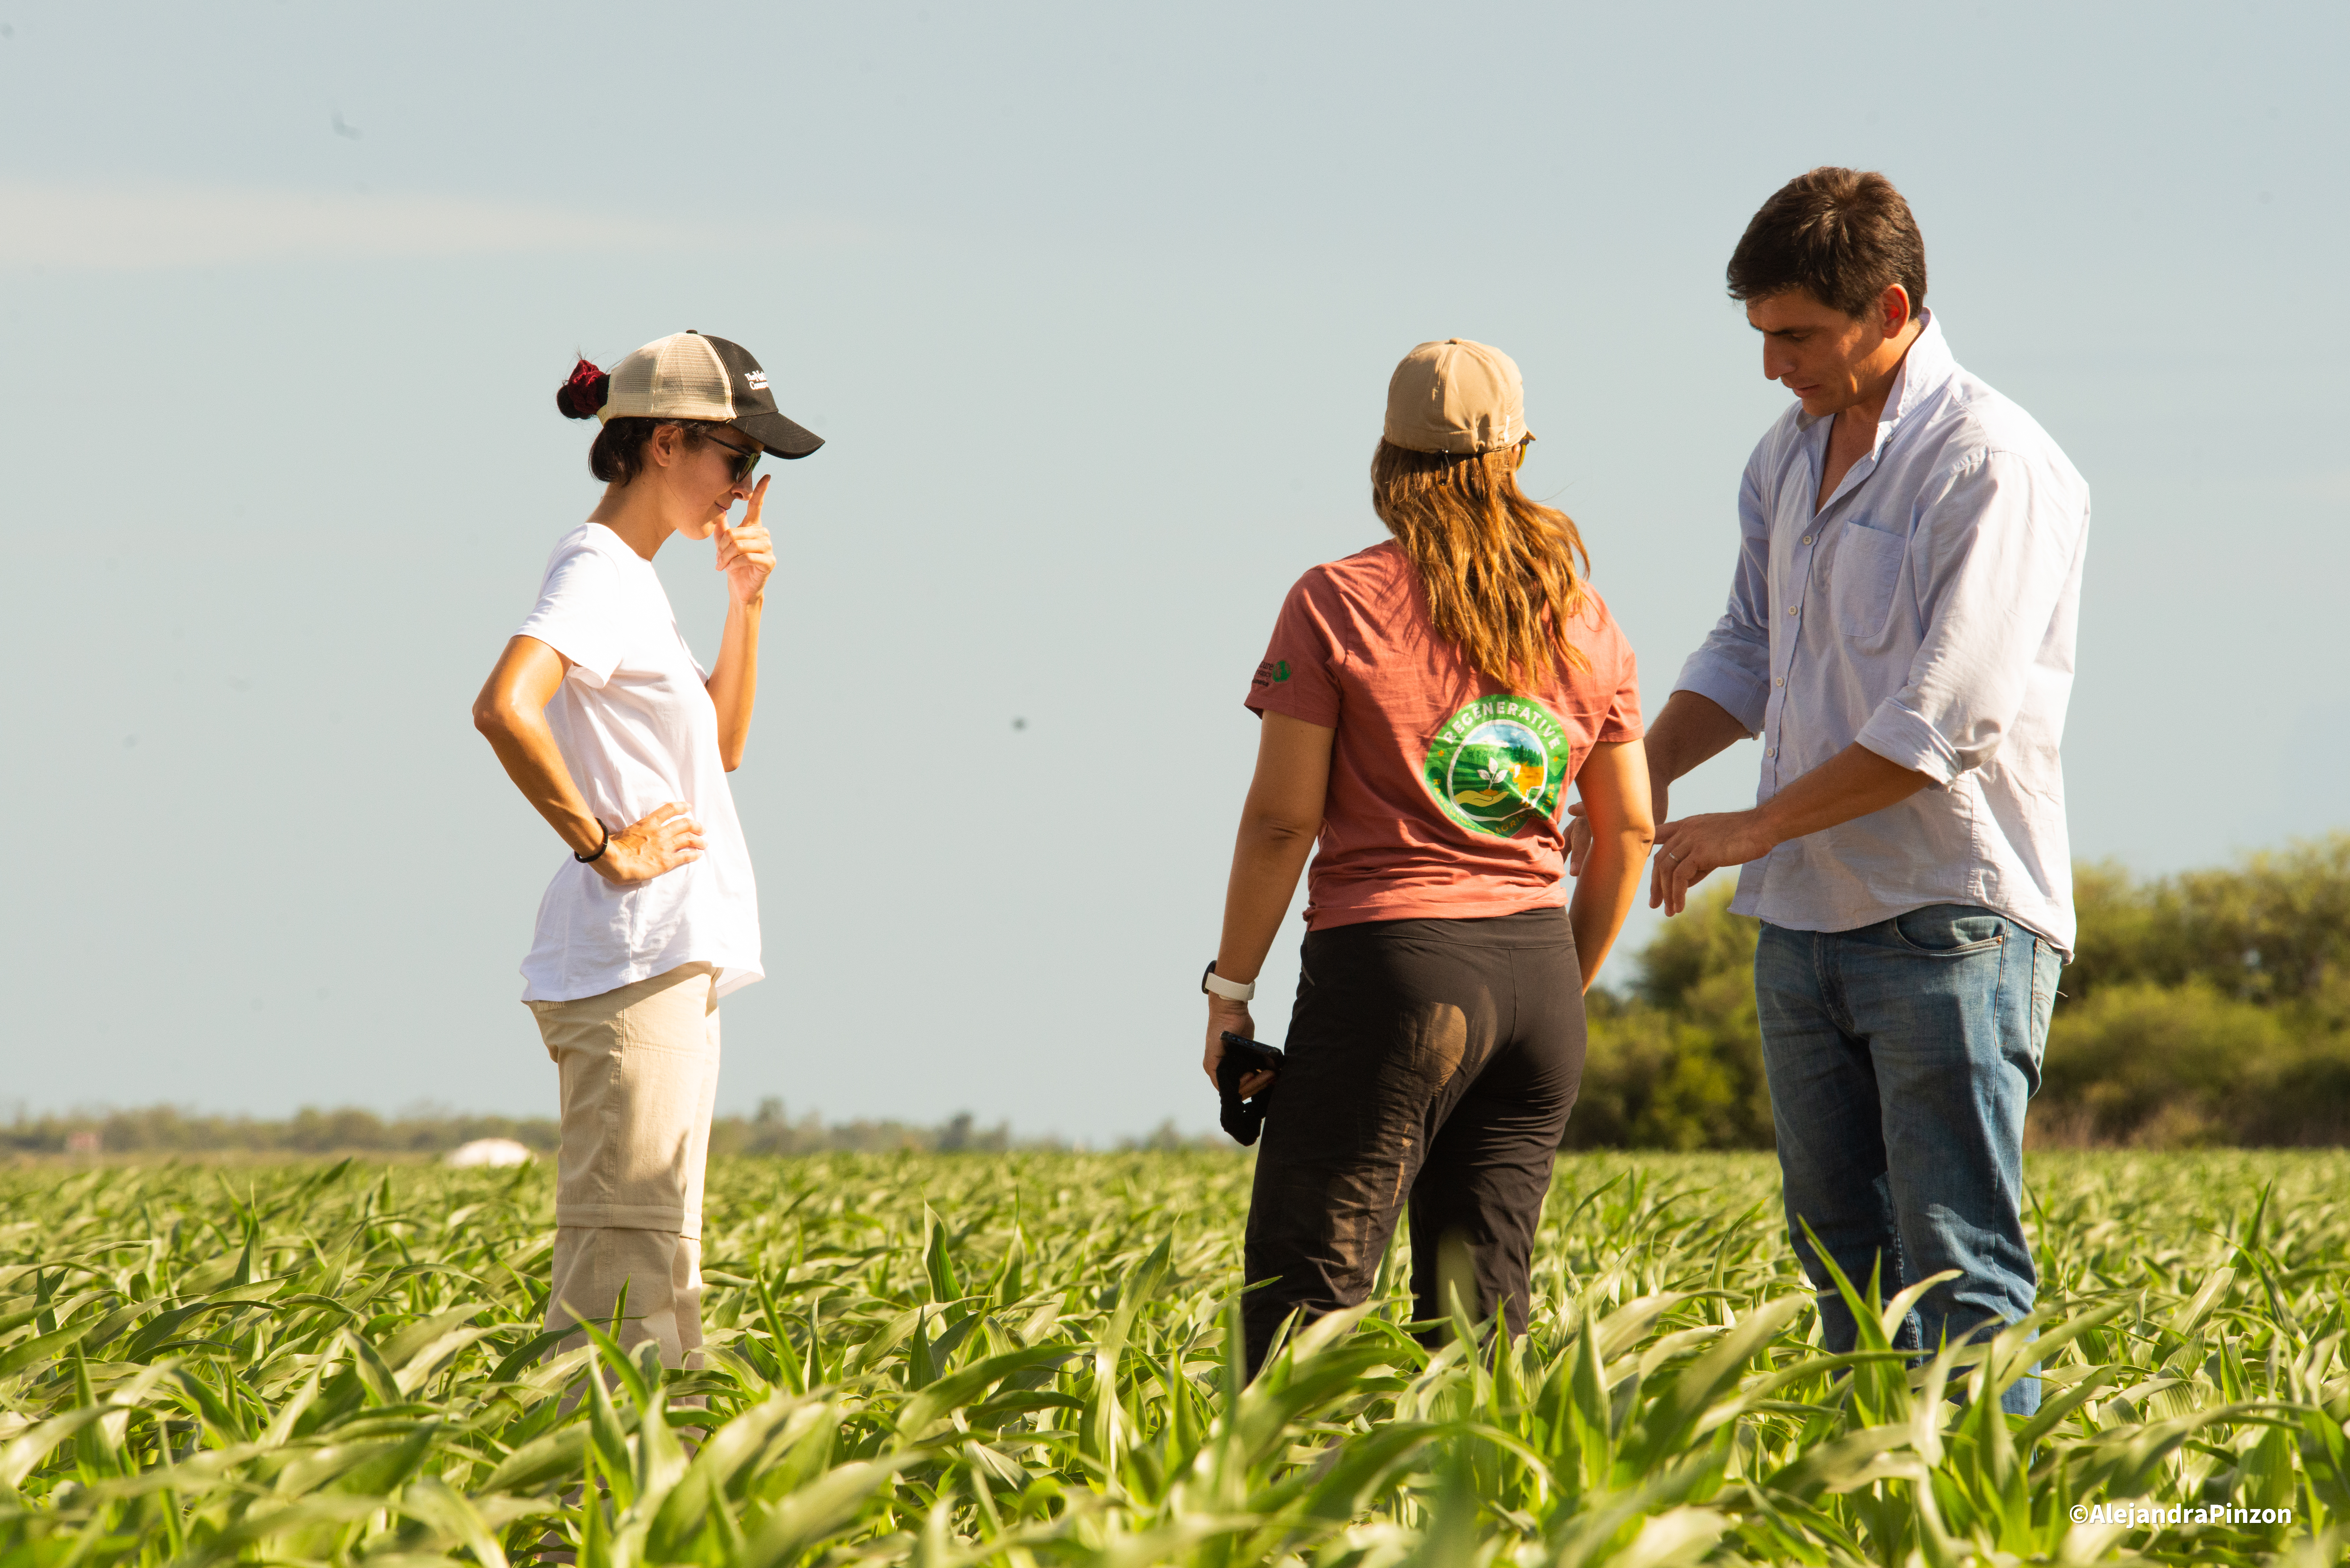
(1215, 984)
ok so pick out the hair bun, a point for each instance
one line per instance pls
(585, 393)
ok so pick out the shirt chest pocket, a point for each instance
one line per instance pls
(1862, 577)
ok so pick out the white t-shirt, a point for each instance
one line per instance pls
(635, 724)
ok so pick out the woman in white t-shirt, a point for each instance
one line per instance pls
(622, 741)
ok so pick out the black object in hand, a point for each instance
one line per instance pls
(1245, 1118)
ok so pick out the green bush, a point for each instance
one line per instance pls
(1678, 1065)
(2212, 1007)
(2271, 928)
(2166, 1065)
(2183, 1065)
(2209, 1007)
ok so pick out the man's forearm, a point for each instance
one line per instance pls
(1691, 730)
(1853, 782)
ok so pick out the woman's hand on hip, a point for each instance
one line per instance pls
(746, 555)
(661, 840)
(1233, 1015)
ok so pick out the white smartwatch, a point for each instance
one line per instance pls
(1215, 984)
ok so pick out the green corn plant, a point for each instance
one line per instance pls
(1036, 1360)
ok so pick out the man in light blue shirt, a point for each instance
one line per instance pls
(1899, 635)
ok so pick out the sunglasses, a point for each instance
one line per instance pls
(744, 460)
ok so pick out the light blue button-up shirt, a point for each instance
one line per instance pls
(1928, 612)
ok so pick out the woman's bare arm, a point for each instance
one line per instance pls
(746, 555)
(735, 682)
(1279, 822)
(511, 714)
(1615, 797)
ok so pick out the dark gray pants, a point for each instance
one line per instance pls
(1432, 1062)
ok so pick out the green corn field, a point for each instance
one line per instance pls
(1031, 1359)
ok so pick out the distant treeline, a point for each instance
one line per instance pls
(2212, 1007)
(770, 1131)
(165, 1131)
(170, 1130)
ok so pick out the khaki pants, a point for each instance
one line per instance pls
(640, 1069)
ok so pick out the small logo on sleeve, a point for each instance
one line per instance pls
(1272, 673)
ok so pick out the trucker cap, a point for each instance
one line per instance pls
(687, 376)
(1456, 396)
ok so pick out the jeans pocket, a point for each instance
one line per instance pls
(1949, 930)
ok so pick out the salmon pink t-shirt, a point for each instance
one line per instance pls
(1446, 786)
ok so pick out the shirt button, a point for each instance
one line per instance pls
(1772, 753)
(1791, 609)
(1778, 682)
(1807, 538)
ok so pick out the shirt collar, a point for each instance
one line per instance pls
(1923, 371)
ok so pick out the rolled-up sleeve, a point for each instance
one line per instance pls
(1990, 558)
(1732, 666)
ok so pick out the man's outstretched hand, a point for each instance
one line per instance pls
(1685, 850)
(1688, 849)
(1852, 784)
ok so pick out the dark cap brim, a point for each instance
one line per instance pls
(777, 435)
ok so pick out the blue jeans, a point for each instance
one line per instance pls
(1900, 1056)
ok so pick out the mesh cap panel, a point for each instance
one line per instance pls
(674, 378)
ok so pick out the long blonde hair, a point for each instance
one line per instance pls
(1499, 569)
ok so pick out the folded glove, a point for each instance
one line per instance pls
(1245, 1118)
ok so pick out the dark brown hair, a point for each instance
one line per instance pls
(619, 454)
(1839, 234)
(1498, 567)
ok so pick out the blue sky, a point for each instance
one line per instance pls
(1095, 306)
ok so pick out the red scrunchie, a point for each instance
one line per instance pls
(587, 391)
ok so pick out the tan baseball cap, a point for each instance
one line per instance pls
(688, 375)
(1456, 396)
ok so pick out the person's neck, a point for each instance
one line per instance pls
(637, 517)
(1865, 411)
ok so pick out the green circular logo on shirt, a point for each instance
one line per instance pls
(1498, 764)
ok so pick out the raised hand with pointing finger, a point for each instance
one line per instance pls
(746, 553)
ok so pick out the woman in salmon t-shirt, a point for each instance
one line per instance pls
(1426, 704)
